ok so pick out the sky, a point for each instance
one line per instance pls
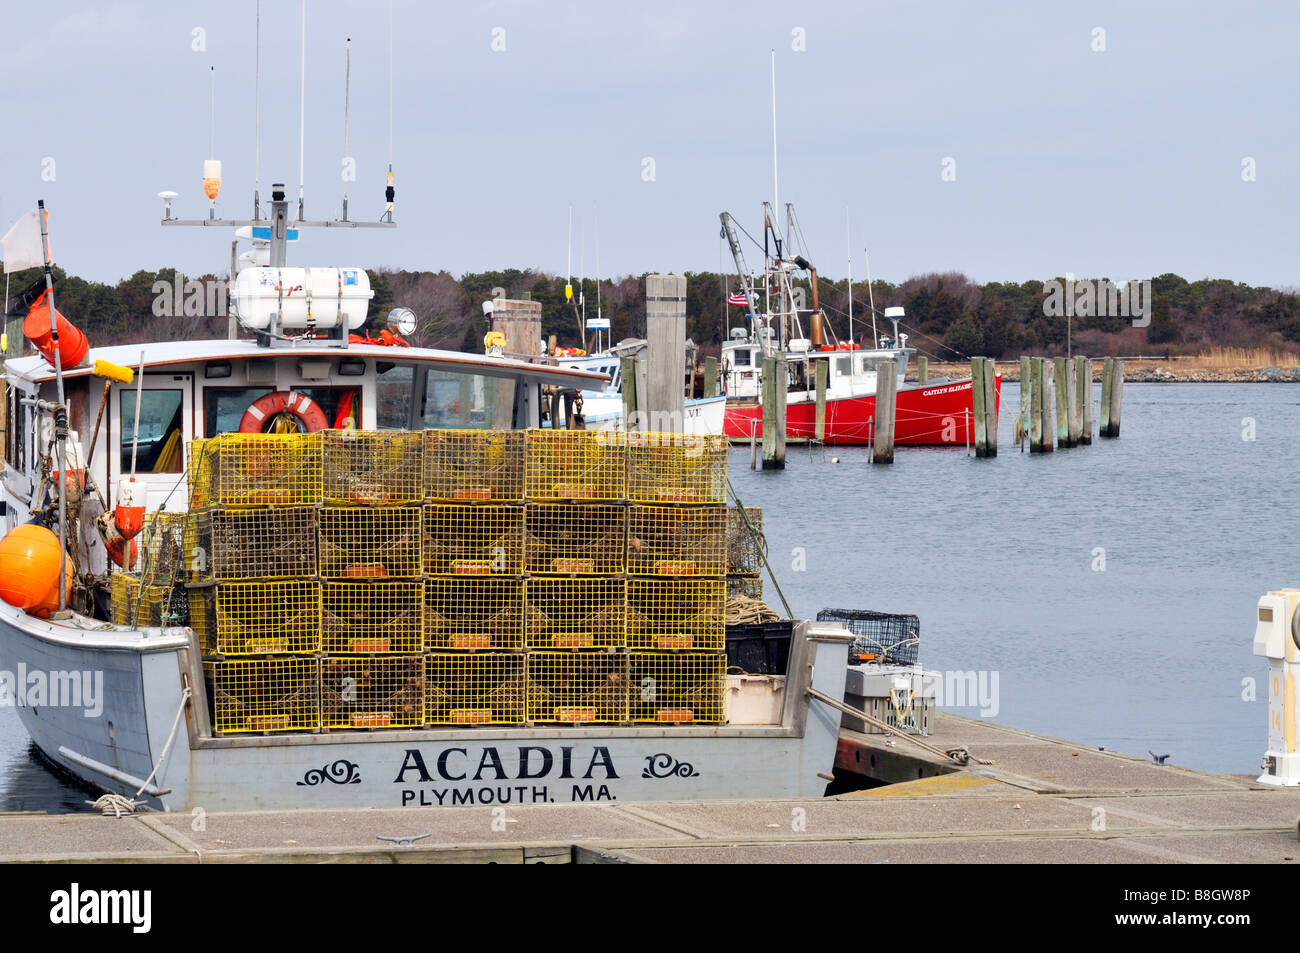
(1009, 141)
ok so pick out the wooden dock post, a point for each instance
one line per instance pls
(710, 376)
(1072, 414)
(1083, 391)
(627, 381)
(1036, 405)
(1049, 410)
(922, 369)
(823, 373)
(775, 383)
(1025, 389)
(990, 407)
(1107, 378)
(1061, 385)
(977, 406)
(886, 406)
(1116, 398)
(662, 401)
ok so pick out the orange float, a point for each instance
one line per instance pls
(50, 604)
(73, 345)
(29, 565)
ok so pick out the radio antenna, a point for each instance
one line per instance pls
(347, 112)
(257, 113)
(302, 111)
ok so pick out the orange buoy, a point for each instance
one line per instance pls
(50, 604)
(29, 565)
(128, 516)
(73, 345)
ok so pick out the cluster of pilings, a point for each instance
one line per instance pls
(1056, 402)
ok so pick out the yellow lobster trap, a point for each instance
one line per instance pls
(474, 465)
(575, 465)
(139, 603)
(575, 538)
(372, 467)
(281, 617)
(677, 540)
(574, 688)
(473, 539)
(372, 617)
(362, 542)
(675, 614)
(372, 692)
(677, 687)
(677, 468)
(222, 544)
(471, 614)
(574, 613)
(487, 688)
(243, 469)
(262, 695)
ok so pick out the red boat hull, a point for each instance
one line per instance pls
(938, 414)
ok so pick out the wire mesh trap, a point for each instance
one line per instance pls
(473, 540)
(574, 688)
(262, 695)
(474, 465)
(468, 614)
(372, 468)
(372, 617)
(487, 688)
(879, 636)
(675, 614)
(575, 465)
(372, 692)
(575, 613)
(745, 542)
(160, 559)
(226, 544)
(365, 542)
(258, 618)
(240, 469)
(676, 468)
(676, 540)
(677, 687)
(575, 538)
(138, 603)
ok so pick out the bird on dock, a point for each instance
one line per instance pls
(1157, 758)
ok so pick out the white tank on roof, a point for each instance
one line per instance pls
(317, 297)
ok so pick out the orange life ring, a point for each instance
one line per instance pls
(278, 402)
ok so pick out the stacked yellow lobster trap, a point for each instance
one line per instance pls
(366, 580)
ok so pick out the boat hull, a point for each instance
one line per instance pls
(146, 671)
(937, 414)
(703, 416)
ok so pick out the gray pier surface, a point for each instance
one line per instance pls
(1042, 800)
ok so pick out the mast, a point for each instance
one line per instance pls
(848, 241)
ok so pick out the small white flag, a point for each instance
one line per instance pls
(22, 243)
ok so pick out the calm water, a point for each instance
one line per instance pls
(996, 557)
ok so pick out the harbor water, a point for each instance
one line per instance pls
(1102, 594)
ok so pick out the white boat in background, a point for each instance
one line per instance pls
(602, 407)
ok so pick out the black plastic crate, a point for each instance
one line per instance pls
(890, 637)
(760, 648)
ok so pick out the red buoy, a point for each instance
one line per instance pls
(73, 345)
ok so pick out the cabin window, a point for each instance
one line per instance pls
(843, 366)
(224, 408)
(742, 359)
(463, 401)
(16, 430)
(868, 365)
(393, 397)
(160, 442)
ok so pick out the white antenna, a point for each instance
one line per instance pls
(212, 112)
(596, 217)
(871, 298)
(302, 111)
(389, 192)
(257, 113)
(347, 114)
(568, 273)
(582, 273)
(776, 192)
(848, 241)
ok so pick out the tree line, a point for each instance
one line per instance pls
(948, 316)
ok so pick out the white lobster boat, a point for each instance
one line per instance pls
(125, 708)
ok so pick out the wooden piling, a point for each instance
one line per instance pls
(886, 406)
(661, 401)
(627, 377)
(1036, 405)
(1062, 388)
(1072, 413)
(922, 369)
(1026, 387)
(775, 384)
(823, 372)
(977, 406)
(1116, 397)
(990, 407)
(1107, 377)
(1049, 410)
(1083, 387)
(710, 376)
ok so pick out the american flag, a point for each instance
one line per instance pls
(738, 299)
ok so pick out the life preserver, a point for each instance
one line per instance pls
(279, 402)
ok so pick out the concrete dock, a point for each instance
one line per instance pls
(1042, 800)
